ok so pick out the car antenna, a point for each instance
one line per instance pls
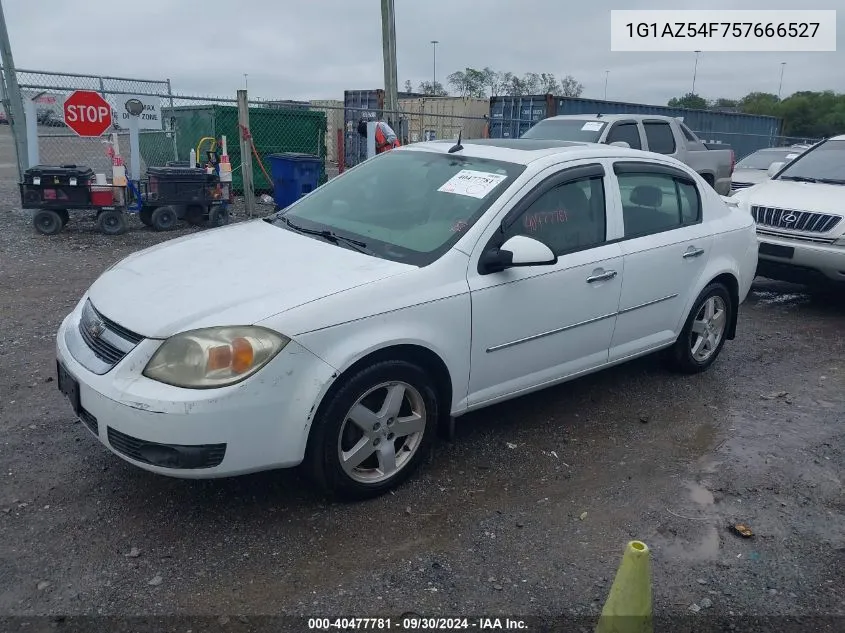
(457, 147)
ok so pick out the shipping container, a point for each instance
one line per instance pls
(745, 133)
(512, 116)
(333, 109)
(433, 118)
(370, 104)
(274, 130)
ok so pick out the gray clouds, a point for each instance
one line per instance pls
(316, 49)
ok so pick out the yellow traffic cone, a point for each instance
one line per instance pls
(628, 608)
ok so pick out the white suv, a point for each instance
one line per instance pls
(800, 215)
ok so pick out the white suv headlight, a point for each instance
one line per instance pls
(214, 357)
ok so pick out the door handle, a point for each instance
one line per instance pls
(693, 252)
(610, 274)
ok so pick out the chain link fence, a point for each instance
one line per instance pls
(326, 129)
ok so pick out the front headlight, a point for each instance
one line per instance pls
(214, 357)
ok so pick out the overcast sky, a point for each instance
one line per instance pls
(316, 49)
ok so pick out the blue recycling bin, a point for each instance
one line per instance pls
(294, 175)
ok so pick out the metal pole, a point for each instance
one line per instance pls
(31, 132)
(780, 85)
(606, 75)
(172, 122)
(13, 94)
(246, 152)
(134, 149)
(695, 71)
(434, 69)
(388, 33)
(102, 88)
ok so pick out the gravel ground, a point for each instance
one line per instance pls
(526, 512)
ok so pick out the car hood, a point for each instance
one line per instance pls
(749, 175)
(798, 196)
(234, 275)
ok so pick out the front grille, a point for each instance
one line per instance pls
(183, 457)
(90, 421)
(109, 341)
(794, 220)
(740, 185)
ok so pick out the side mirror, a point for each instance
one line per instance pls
(774, 168)
(620, 144)
(517, 251)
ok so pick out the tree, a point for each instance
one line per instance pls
(689, 100)
(725, 104)
(432, 89)
(570, 87)
(494, 81)
(409, 87)
(469, 82)
(759, 103)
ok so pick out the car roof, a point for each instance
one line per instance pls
(609, 117)
(525, 151)
(840, 137)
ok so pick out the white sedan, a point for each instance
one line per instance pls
(345, 331)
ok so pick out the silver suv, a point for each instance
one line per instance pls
(800, 215)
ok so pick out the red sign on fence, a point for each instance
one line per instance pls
(87, 113)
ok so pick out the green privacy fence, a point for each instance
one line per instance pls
(273, 130)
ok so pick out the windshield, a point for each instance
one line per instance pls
(567, 130)
(824, 163)
(406, 206)
(765, 157)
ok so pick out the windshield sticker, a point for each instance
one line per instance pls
(475, 184)
(592, 126)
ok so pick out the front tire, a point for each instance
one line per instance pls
(112, 222)
(373, 431)
(704, 333)
(164, 219)
(48, 222)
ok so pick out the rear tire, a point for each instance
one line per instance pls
(164, 219)
(48, 222)
(112, 222)
(395, 424)
(218, 216)
(704, 332)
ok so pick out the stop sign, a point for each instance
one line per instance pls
(87, 113)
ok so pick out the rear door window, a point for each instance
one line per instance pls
(627, 132)
(660, 137)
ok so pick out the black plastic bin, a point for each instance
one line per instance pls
(56, 187)
(180, 185)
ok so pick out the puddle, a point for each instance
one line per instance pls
(699, 494)
(766, 297)
(707, 548)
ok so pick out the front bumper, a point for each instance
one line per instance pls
(259, 424)
(800, 261)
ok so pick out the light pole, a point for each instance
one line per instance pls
(780, 85)
(246, 81)
(606, 75)
(695, 71)
(434, 44)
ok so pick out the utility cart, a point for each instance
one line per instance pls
(53, 190)
(176, 192)
(166, 196)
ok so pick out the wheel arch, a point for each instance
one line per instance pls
(426, 358)
(730, 281)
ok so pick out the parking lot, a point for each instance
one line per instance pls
(526, 512)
